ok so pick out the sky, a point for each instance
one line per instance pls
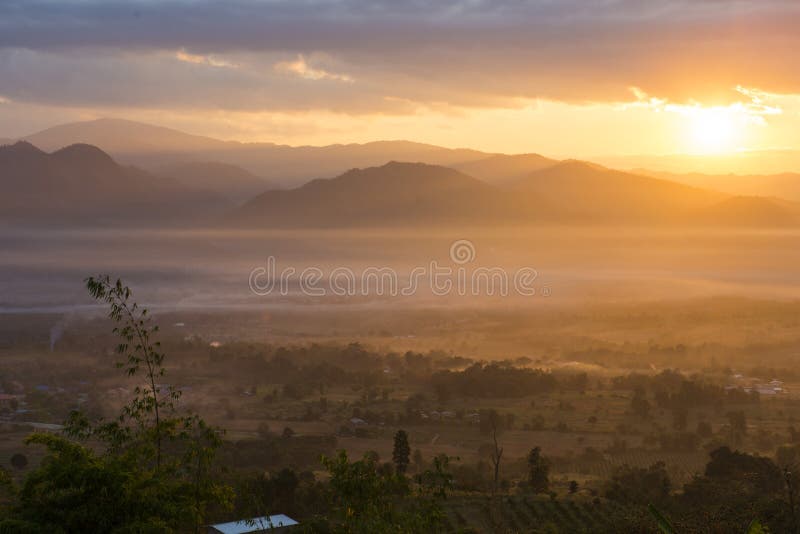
(568, 78)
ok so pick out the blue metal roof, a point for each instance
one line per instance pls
(255, 524)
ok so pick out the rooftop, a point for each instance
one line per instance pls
(256, 524)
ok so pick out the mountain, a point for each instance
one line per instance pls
(784, 185)
(152, 147)
(408, 194)
(773, 161)
(81, 184)
(585, 191)
(119, 136)
(569, 192)
(502, 169)
(226, 180)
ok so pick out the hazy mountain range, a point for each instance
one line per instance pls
(153, 147)
(569, 192)
(82, 184)
(784, 185)
(229, 181)
(202, 181)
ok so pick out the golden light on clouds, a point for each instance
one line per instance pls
(300, 67)
(197, 59)
(715, 129)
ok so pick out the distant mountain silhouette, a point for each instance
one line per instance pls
(570, 192)
(82, 184)
(151, 147)
(408, 194)
(501, 169)
(224, 179)
(199, 177)
(583, 190)
(753, 162)
(784, 185)
(119, 136)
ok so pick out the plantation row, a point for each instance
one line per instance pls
(680, 466)
(533, 514)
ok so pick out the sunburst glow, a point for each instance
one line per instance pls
(714, 130)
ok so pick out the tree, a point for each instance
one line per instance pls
(738, 424)
(140, 353)
(538, 471)
(640, 406)
(680, 418)
(788, 456)
(758, 471)
(19, 461)
(497, 451)
(154, 473)
(419, 461)
(366, 500)
(401, 452)
(638, 485)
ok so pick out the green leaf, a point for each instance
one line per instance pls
(663, 523)
(755, 527)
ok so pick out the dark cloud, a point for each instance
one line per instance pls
(442, 52)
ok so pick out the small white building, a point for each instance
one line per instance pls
(267, 523)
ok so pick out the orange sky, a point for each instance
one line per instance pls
(567, 79)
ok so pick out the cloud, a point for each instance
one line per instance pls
(302, 69)
(197, 59)
(756, 106)
(456, 53)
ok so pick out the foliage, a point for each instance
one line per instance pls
(759, 471)
(365, 498)
(19, 461)
(155, 472)
(538, 471)
(494, 380)
(639, 485)
(401, 452)
(663, 523)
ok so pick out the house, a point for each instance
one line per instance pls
(267, 523)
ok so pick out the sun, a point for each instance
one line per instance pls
(713, 130)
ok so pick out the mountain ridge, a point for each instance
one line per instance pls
(151, 147)
(81, 184)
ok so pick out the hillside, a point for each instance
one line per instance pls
(153, 147)
(570, 192)
(502, 169)
(393, 194)
(119, 136)
(83, 184)
(784, 185)
(581, 190)
(226, 180)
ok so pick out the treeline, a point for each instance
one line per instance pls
(671, 389)
(498, 380)
(308, 370)
(735, 489)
